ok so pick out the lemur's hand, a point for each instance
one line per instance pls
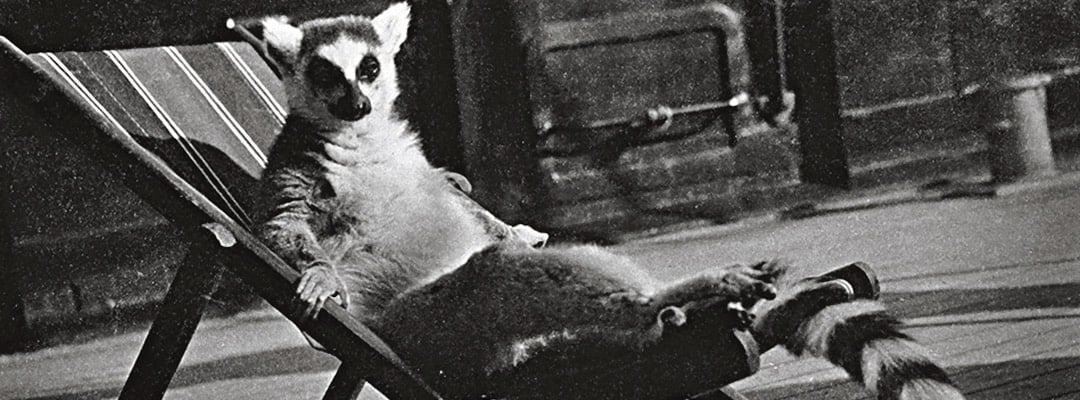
(316, 285)
(532, 237)
(459, 181)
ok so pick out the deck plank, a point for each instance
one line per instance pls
(1041, 379)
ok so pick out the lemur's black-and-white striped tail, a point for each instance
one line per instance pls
(863, 339)
(818, 317)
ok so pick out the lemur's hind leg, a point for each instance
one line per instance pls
(733, 283)
(738, 287)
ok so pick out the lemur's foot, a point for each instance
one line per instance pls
(741, 284)
(731, 291)
(755, 282)
(316, 285)
(529, 235)
(768, 271)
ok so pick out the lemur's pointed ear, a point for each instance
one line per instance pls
(282, 41)
(392, 25)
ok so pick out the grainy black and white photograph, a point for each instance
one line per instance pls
(540, 199)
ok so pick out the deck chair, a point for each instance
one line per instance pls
(193, 164)
(192, 150)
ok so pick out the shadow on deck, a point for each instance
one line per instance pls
(1051, 378)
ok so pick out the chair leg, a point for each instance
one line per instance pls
(347, 383)
(13, 336)
(196, 279)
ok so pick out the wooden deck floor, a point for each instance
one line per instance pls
(992, 286)
(1006, 332)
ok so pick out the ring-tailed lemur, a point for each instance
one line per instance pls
(354, 204)
(358, 209)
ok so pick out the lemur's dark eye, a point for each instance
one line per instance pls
(368, 69)
(322, 73)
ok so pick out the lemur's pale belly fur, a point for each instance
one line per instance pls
(407, 212)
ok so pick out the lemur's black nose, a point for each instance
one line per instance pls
(351, 107)
(354, 111)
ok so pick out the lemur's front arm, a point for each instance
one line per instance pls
(288, 227)
(288, 231)
(499, 230)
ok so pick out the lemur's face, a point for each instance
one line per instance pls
(340, 69)
(339, 74)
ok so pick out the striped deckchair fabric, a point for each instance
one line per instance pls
(210, 111)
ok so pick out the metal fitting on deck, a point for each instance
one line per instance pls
(1014, 113)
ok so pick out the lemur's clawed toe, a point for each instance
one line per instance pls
(771, 270)
(748, 285)
(630, 298)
